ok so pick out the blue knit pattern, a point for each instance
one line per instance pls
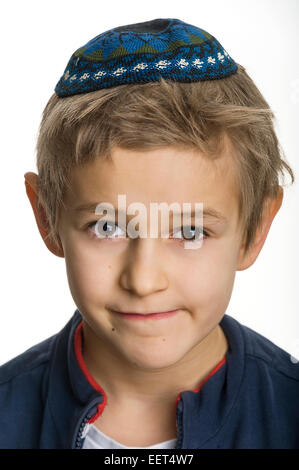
(144, 52)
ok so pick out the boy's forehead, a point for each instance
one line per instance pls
(167, 174)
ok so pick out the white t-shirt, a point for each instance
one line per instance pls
(95, 439)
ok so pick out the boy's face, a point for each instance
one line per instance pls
(152, 274)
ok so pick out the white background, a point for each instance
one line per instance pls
(37, 40)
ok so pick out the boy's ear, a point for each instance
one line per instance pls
(31, 180)
(271, 207)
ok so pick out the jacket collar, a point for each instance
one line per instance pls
(73, 392)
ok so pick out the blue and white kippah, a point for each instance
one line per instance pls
(143, 52)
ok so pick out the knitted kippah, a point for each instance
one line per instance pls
(143, 52)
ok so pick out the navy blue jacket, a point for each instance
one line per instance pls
(249, 401)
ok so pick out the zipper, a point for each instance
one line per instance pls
(82, 432)
(83, 424)
(179, 424)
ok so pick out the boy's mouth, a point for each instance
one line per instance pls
(146, 316)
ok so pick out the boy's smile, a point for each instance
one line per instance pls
(147, 316)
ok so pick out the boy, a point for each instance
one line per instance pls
(150, 359)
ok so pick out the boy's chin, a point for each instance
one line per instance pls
(152, 356)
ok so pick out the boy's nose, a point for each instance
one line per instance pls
(145, 271)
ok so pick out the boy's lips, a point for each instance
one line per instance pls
(144, 316)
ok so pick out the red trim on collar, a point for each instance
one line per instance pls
(203, 381)
(98, 388)
(89, 377)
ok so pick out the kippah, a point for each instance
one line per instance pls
(144, 52)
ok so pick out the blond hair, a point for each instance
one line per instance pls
(78, 129)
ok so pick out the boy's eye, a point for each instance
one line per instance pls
(186, 232)
(103, 227)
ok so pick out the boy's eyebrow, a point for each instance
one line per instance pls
(207, 211)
